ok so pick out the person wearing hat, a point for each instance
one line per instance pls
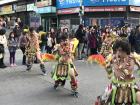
(3, 44)
(23, 40)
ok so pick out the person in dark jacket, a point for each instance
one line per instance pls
(17, 31)
(136, 40)
(80, 35)
(92, 41)
(131, 39)
(22, 43)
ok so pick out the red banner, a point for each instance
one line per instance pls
(68, 11)
(106, 9)
(93, 9)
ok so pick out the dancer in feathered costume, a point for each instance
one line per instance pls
(106, 48)
(119, 67)
(65, 68)
(32, 50)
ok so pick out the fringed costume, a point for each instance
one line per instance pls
(32, 51)
(123, 88)
(65, 68)
(107, 44)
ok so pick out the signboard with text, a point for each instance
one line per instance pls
(21, 8)
(106, 9)
(31, 7)
(60, 4)
(49, 9)
(67, 3)
(7, 9)
(68, 11)
(44, 3)
(105, 2)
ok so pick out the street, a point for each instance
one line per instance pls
(19, 87)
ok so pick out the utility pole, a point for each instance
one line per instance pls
(81, 11)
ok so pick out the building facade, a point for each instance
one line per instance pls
(47, 11)
(98, 12)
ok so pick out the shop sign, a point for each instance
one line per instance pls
(68, 11)
(31, 7)
(76, 3)
(134, 9)
(105, 9)
(67, 3)
(44, 3)
(46, 10)
(60, 4)
(105, 2)
(7, 8)
(21, 8)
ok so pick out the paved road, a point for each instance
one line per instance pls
(18, 87)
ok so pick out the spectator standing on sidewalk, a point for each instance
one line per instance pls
(80, 35)
(49, 43)
(22, 43)
(53, 36)
(12, 46)
(3, 44)
(93, 40)
(136, 40)
(17, 31)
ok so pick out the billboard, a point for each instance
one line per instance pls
(105, 2)
(76, 3)
(67, 3)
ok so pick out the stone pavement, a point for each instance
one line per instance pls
(19, 87)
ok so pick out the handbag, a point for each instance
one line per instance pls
(1, 48)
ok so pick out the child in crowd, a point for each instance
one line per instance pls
(12, 46)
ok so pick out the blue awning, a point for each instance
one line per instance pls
(49, 9)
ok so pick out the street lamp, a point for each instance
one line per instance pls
(81, 11)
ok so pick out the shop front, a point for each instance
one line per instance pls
(34, 18)
(48, 14)
(103, 12)
(21, 12)
(7, 12)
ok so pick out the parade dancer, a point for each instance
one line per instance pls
(106, 48)
(32, 50)
(65, 68)
(119, 66)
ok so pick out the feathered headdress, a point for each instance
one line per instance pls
(98, 58)
(48, 57)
